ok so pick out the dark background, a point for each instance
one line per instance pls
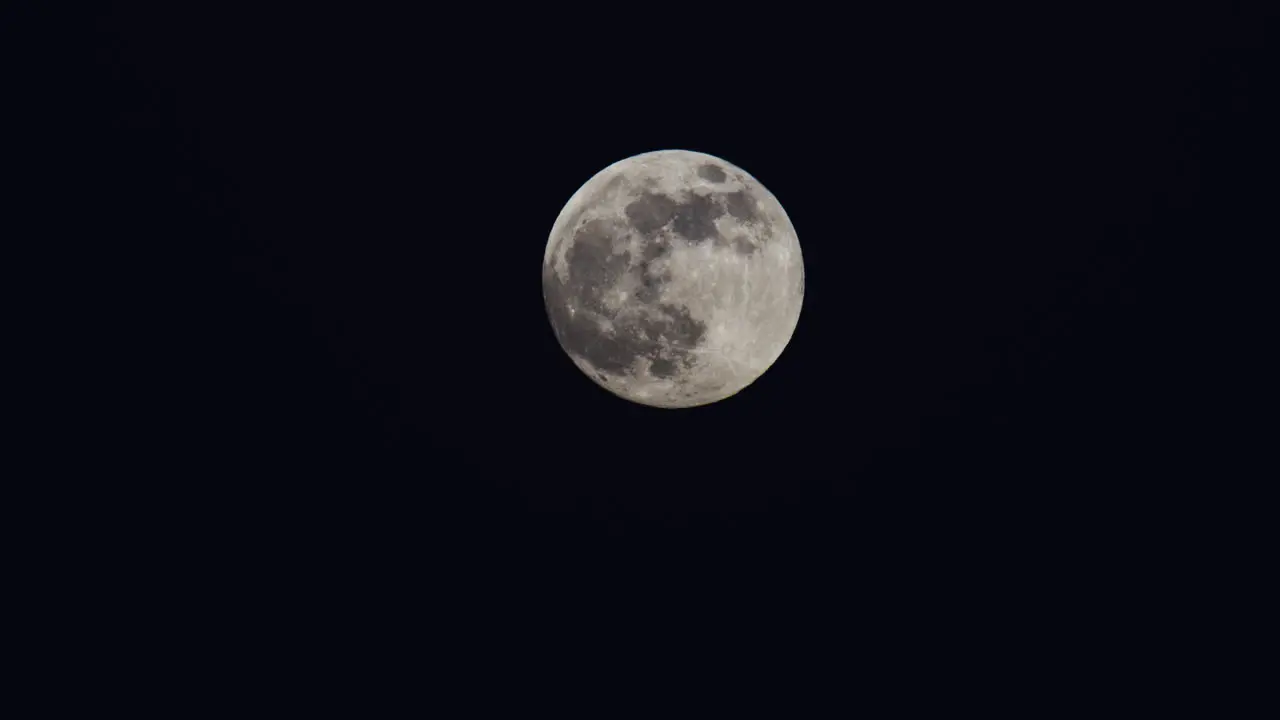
(332, 365)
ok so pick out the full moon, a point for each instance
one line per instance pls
(673, 279)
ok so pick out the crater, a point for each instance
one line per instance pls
(712, 173)
(663, 368)
(743, 246)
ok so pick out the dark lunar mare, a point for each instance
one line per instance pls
(695, 218)
(650, 212)
(593, 269)
(740, 205)
(712, 173)
(651, 280)
(743, 246)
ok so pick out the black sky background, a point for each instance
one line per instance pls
(333, 360)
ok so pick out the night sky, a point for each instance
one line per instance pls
(335, 361)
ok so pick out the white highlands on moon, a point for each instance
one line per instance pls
(673, 279)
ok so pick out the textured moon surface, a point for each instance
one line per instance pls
(673, 279)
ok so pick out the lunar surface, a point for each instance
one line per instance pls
(673, 279)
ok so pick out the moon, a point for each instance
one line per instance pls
(673, 279)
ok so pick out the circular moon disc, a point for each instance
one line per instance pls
(673, 279)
